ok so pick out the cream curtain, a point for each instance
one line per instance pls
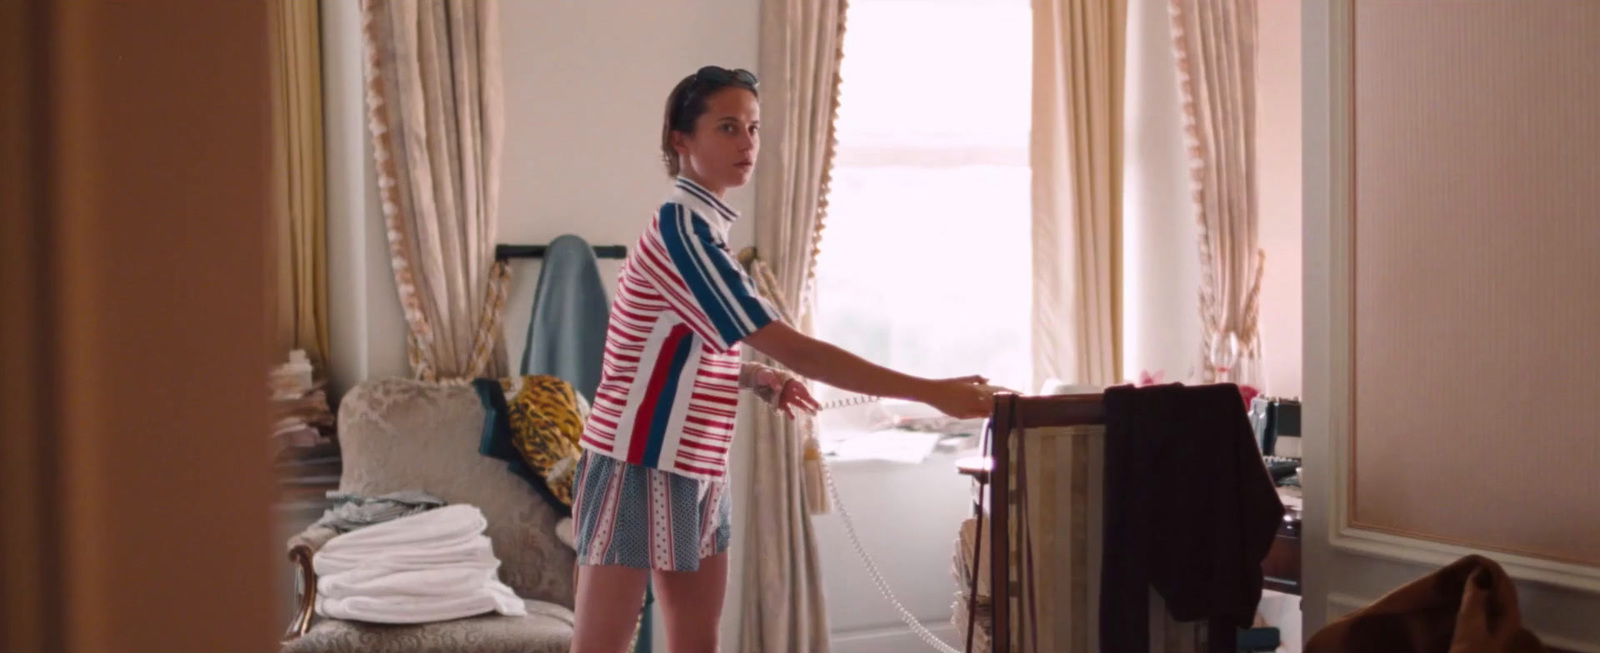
(782, 607)
(1215, 42)
(1076, 156)
(434, 103)
(297, 167)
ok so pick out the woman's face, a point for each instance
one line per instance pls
(721, 152)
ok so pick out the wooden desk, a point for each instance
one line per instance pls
(1282, 565)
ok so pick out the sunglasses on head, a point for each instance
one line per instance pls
(720, 75)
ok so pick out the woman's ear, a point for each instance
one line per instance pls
(679, 143)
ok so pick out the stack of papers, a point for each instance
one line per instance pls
(892, 445)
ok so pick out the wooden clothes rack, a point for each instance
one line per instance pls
(1014, 413)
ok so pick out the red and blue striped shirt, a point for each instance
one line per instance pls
(669, 387)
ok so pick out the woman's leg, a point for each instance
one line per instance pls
(607, 607)
(691, 602)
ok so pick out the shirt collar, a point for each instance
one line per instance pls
(687, 185)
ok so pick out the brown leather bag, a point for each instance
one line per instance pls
(1469, 606)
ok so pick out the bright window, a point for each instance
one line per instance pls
(925, 262)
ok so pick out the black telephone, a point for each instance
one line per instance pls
(1271, 418)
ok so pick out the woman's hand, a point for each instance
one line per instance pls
(795, 397)
(786, 393)
(967, 397)
(971, 378)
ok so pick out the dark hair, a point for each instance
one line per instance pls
(687, 102)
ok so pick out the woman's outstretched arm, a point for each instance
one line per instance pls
(966, 397)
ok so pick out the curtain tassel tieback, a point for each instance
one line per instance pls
(811, 473)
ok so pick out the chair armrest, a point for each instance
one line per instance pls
(301, 549)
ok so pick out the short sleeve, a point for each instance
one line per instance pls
(703, 282)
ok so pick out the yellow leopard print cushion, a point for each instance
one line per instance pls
(546, 418)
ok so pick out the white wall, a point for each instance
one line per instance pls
(1278, 170)
(366, 327)
(1161, 266)
(1161, 262)
(584, 96)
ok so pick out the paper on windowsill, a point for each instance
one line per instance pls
(911, 447)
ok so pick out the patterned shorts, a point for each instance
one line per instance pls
(635, 516)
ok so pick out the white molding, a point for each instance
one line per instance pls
(896, 638)
(1341, 198)
(1375, 544)
(1341, 249)
(1351, 603)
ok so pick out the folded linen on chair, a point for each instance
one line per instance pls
(433, 566)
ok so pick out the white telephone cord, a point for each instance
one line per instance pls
(846, 402)
(877, 578)
(910, 620)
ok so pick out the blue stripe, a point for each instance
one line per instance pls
(738, 283)
(688, 264)
(668, 400)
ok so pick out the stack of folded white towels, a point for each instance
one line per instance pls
(432, 566)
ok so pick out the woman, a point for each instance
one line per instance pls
(651, 493)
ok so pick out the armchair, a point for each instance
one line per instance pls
(398, 434)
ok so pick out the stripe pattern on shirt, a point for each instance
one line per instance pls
(669, 386)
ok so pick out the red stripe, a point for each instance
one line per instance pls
(671, 553)
(696, 469)
(693, 458)
(708, 534)
(650, 518)
(698, 396)
(613, 501)
(577, 486)
(620, 310)
(703, 447)
(666, 281)
(601, 536)
(708, 422)
(671, 285)
(723, 386)
(699, 456)
(645, 414)
(707, 435)
(705, 522)
(709, 412)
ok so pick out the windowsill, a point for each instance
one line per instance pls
(852, 466)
